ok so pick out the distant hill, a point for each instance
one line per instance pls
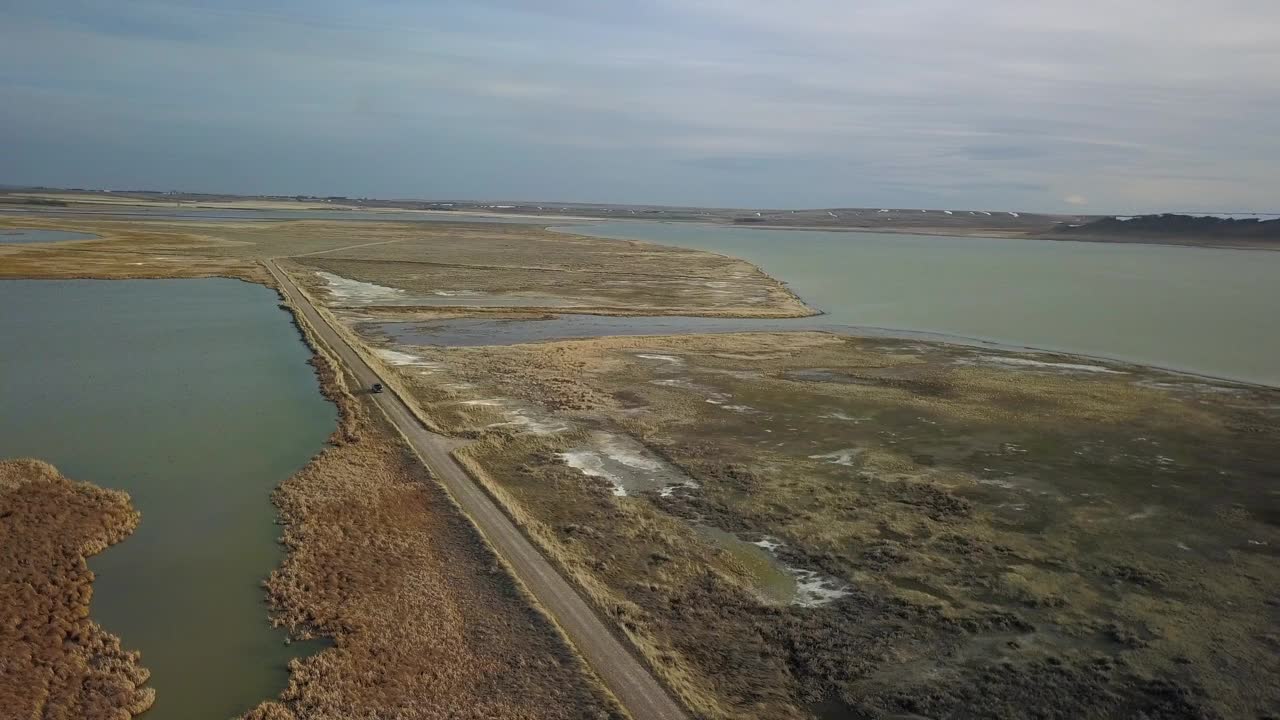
(1183, 229)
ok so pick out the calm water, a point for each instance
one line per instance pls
(1200, 310)
(33, 235)
(195, 397)
(233, 215)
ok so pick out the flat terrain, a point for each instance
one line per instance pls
(780, 524)
(626, 678)
(428, 265)
(383, 565)
(55, 662)
(939, 221)
(804, 523)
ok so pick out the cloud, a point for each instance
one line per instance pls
(993, 103)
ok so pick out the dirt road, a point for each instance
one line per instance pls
(624, 675)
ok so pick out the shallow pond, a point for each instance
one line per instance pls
(196, 398)
(35, 235)
(1201, 310)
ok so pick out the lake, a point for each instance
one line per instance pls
(195, 397)
(243, 215)
(1207, 311)
(35, 235)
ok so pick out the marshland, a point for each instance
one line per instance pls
(786, 514)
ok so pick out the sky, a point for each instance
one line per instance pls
(1038, 105)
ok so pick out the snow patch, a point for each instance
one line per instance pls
(355, 292)
(813, 590)
(592, 465)
(768, 543)
(1026, 362)
(839, 457)
(395, 357)
(628, 465)
(663, 358)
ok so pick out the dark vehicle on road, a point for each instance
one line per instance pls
(376, 388)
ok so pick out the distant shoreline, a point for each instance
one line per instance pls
(1018, 226)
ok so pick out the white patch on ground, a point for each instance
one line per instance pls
(768, 543)
(592, 465)
(739, 408)
(628, 465)
(948, 212)
(631, 454)
(521, 417)
(355, 292)
(1026, 362)
(663, 358)
(1197, 387)
(395, 357)
(456, 293)
(1015, 214)
(837, 415)
(813, 589)
(839, 457)
(523, 420)
(712, 396)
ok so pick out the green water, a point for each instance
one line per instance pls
(1200, 310)
(195, 397)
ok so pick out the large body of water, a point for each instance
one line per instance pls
(196, 398)
(126, 212)
(1207, 311)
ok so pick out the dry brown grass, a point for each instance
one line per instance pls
(56, 663)
(1016, 538)
(425, 622)
(124, 250)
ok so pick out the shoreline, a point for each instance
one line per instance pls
(551, 222)
(61, 658)
(352, 446)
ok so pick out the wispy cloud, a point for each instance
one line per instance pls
(993, 103)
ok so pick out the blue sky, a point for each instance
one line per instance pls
(1087, 105)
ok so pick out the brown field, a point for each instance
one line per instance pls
(440, 264)
(1007, 535)
(55, 662)
(381, 562)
